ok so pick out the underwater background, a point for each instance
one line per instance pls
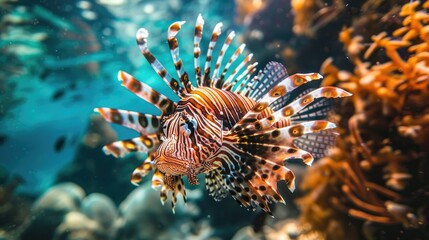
(59, 60)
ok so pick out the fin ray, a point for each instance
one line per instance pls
(215, 185)
(271, 75)
(142, 170)
(231, 60)
(142, 123)
(197, 50)
(141, 37)
(276, 153)
(283, 135)
(173, 44)
(285, 115)
(160, 101)
(231, 80)
(142, 144)
(252, 180)
(281, 89)
(207, 81)
(219, 60)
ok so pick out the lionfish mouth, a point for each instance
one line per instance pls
(171, 165)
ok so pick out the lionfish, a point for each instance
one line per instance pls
(234, 128)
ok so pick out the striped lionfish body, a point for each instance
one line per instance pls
(234, 128)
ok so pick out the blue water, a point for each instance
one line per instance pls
(60, 64)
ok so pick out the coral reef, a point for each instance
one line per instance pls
(65, 212)
(49, 210)
(103, 210)
(366, 13)
(377, 176)
(142, 217)
(78, 226)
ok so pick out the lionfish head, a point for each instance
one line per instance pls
(188, 142)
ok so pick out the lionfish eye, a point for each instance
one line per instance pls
(189, 126)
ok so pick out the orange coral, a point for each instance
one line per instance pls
(377, 171)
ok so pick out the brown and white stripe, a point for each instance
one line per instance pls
(225, 46)
(142, 123)
(144, 143)
(145, 92)
(197, 50)
(234, 56)
(141, 37)
(207, 68)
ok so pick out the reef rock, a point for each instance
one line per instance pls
(77, 226)
(49, 210)
(101, 209)
(143, 217)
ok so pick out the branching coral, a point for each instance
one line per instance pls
(378, 171)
